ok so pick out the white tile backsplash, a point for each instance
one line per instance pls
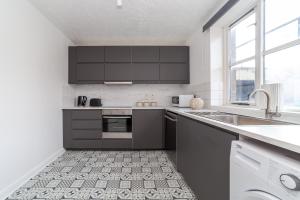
(124, 95)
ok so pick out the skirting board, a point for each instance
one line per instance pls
(22, 180)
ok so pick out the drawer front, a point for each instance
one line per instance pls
(87, 114)
(86, 124)
(86, 134)
(116, 143)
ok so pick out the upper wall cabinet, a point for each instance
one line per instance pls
(143, 54)
(118, 54)
(139, 64)
(90, 54)
(174, 54)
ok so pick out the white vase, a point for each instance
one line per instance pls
(197, 103)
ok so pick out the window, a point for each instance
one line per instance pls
(282, 47)
(279, 55)
(242, 58)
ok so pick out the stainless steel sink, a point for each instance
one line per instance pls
(238, 120)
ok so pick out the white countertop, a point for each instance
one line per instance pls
(284, 136)
(112, 107)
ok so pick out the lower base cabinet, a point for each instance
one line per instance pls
(148, 129)
(203, 154)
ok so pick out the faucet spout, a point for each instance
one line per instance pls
(268, 112)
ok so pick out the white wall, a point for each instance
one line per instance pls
(199, 44)
(33, 64)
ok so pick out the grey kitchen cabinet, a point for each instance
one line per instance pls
(174, 54)
(90, 72)
(145, 72)
(174, 73)
(148, 126)
(145, 54)
(90, 54)
(118, 72)
(118, 54)
(82, 129)
(140, 64)
(203, 154)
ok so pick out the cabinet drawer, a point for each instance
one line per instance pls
(86, 124)
(116, 143)
(86, 134)
(87, 114)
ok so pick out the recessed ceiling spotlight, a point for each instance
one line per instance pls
(119, 3)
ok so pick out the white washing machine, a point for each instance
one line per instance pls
(261, 173)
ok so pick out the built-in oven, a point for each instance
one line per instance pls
(117, 124)
(170, 135)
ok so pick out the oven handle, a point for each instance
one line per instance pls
(169, 118)
(116, 117)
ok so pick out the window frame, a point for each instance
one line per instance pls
(260, 52)
(228, 57)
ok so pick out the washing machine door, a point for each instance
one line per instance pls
(258, 195)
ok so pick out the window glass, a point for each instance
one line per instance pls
(242, 39)
(281, 22)
(284, 67)
(242, 81)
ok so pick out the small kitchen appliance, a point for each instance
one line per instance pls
(95, 102)
(182, 101)
(81, 100)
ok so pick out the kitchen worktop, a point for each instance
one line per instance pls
(284, 136)
(112, 107)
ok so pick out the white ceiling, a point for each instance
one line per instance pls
(101, 22)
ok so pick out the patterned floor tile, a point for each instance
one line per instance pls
(107, 175)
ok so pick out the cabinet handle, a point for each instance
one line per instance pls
(169, 118)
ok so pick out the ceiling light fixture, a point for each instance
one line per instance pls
(119, 3)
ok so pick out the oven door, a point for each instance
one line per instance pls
(117, 127)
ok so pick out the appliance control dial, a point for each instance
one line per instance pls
(290, 182)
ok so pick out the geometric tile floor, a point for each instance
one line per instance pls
(108, 175)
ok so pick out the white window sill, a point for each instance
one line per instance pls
(252, 111)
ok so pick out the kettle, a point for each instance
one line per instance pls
(81, 100)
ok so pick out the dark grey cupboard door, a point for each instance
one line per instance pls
(203, 154)
(118, 72)
(145, 72)
(90, 54)
(118, 54)
(144, 54)
(148, 129)
(174, 72)
(90, 72)
(176, 54)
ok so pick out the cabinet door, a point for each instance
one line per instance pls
(90, 73)
(145, 54)
(118, 72)
(145, 72)
(90, 54)
(147, 129)
(174, 72)
(203, 154)
(175, 54)
(118, 54)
